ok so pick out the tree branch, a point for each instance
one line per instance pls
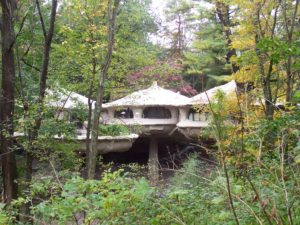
(274, 22)
(21, 25)
(41, 18)
(30, 65)
(19, 31)
(293, 20)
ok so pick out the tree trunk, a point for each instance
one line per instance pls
(266, 85)
(9, 168)
(289, 80)
(90, 105)
(270, 97)
(223, 15)
(153, 162)
(289, 34)
(92, 156)
(180, 37)
(89, 122)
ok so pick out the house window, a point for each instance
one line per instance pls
(157, 113)
(123, 113)
(196, 115)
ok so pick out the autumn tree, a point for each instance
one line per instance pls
(111, 19)
(168, 74)
(262, 37)
(290, 18)
(82, 43)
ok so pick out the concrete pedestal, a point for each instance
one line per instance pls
(153, 163)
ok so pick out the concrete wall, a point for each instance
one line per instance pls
(111, 144)
(139, 120)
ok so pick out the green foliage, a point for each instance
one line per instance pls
(188, 175)
(206, 56)
(5, 218)
(97, 201)
(178, 14)
(296, 96)
(277, 49)
(113, 130)
(79, 49)
(64, 154)
(193, 197)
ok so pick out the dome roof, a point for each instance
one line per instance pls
(66, 99)
(204, 97)
(152, 96)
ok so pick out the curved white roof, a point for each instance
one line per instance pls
(204, 97)
(152, 96)
(67, 99)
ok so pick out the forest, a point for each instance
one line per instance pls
(241, 172)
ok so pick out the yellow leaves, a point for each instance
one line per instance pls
(233, 59)
(92, 28)
(243, 37)
(65, 29)
(242, 43)
(103, 30)
(250, 23)
(88, 39)
(201, 108)
(246, 74)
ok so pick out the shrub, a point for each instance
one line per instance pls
(113, 130)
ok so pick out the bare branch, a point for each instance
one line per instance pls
(46, 54)
(294, 19)
(30, 65)
(21, 25)
(274, 21)
(41, 18)
(19, 31)
(27, 49)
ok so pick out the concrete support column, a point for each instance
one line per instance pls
(174, 113)
(104, 117)
(111, 113)
(137, 113)
(183, 114)
(153, 162)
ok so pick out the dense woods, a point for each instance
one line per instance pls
(241, 172)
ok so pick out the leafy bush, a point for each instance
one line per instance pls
(113, 130)
(192, 198)
(5, 217)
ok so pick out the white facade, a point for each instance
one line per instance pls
(152, 106)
